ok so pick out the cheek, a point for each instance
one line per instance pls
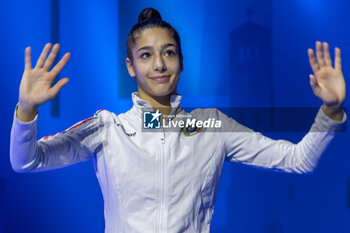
(141, 69)
(174, 65)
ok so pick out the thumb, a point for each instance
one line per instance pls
(58, 87)
(314, 84)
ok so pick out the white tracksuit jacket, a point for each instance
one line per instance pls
(162, 181)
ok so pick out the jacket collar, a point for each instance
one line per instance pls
(141, 104)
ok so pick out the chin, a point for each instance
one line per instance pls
(162, 92)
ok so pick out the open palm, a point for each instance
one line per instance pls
(327, 82)
(35, 88)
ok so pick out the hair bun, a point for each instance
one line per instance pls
(148, 13)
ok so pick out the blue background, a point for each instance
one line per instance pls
(229, 61)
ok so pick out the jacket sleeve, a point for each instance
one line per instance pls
(252, 148)
(77, 143)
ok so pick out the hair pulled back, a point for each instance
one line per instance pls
(150, 18)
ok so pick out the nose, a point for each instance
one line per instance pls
(159, 64)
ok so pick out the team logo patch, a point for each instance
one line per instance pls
(189, 131)
(151, 120)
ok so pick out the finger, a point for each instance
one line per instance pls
(59, 66)
(27, 59)
(43, 55)
(52, 56)
(58, 87)
(319, 54)
(337, 59)
(313, 63)
(313, 83)
(327, 57)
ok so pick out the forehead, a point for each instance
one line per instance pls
(154, 37)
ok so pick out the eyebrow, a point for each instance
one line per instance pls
(162, 47)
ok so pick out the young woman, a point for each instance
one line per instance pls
(163, 181)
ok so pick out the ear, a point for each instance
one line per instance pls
(130, 67)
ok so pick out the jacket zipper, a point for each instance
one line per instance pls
(162, 182)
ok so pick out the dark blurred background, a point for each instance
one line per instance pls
(236, 54)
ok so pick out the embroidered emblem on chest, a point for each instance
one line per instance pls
(190, 131)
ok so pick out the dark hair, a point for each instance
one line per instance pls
(150, 18)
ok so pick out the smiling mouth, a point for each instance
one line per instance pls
(163, 78)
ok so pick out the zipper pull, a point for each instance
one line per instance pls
(162, 137)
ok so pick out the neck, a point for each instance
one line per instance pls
(158, 102)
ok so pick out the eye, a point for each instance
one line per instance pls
(170, 53)
(145, 55)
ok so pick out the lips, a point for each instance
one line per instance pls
(163, 78)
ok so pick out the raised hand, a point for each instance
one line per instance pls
(35, 88)
(327, 82)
